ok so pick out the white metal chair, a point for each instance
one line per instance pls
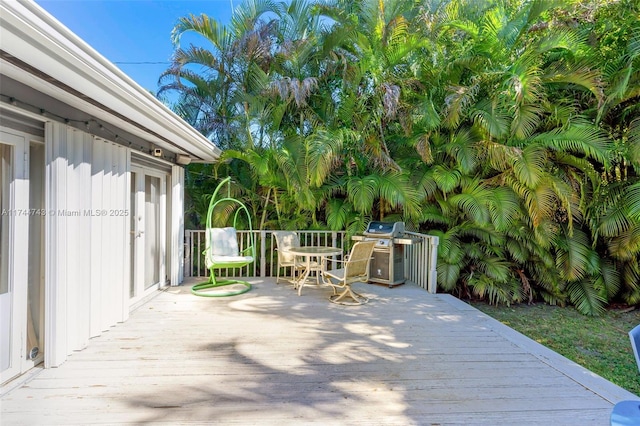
(627, 413)
(286, 240)
(355, 268)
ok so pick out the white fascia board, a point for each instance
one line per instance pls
(30, 34)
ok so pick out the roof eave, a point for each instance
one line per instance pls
(36, 38)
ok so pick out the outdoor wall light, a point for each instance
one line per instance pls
(183, 160)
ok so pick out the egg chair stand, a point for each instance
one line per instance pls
(222, 250)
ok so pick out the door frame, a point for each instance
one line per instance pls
(138, 233)
(18, 214)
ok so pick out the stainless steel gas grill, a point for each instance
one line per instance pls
(387, 265)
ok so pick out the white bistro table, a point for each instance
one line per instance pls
(312, 252)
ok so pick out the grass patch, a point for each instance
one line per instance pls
(600, 344)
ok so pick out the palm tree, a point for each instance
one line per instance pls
(217, 82)
(507, 118)
(614, 211)
(500, 126)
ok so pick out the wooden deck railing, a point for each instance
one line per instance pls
(419, 263)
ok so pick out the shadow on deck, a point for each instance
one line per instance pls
(270, 356)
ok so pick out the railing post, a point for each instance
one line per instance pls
(263, 252)
(187, 250)
(432, 280)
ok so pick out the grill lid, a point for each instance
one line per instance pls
(385, 229)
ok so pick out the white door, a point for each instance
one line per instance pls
(14, 215)
(148, 232)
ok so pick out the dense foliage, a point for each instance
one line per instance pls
(509, 129)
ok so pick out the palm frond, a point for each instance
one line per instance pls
(586, 298)
(456, 104)
(574, 256)
(423, 148)
(246, 14)
(560, 38)
(610, 280)
(540, 203)
(586, 140)
(631, 278)
(446, 179)
(432, 214)
(448, 275)
(495, 292)
(614, 221)
(483, 234)
(626, 245)
(633, 200)
(473, 201)
(634, 143)
(494, 121)
(526, 119)
(579, 74)
(449, 246)
(338, 213)
(362, 192)
(501, 157)
(324, 150)
(529, 167)
(462, 147)
(205, 26)
(496, 268)
(398, 191)
(504, 208)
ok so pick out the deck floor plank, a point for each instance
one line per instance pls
(272, 357)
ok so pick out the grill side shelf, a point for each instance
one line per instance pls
(407, 241)
(401, 240)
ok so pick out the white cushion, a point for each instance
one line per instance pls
(222, 242)
(229, 259)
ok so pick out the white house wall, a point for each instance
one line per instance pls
(49, 73)
(87, 253)
(176, 246)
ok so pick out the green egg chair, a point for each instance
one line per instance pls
(222, 250)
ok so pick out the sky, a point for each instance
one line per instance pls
(133, 34)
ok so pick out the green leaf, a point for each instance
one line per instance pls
(446, 179)
(586, 298)
(529, 167)
(574, 256)
(586, 140)
(504, 208)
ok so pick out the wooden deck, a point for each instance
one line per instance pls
(271, 357)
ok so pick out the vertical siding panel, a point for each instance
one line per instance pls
(97, 178)
(84, 238)
(71, 247)
(78, 242)
(55, 243)
(110, 251)
(177, 226)
(107, 301)
(162, 240)
(128, 270)
(112, 236)
(123, 234)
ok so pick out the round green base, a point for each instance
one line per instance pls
(197, 289)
